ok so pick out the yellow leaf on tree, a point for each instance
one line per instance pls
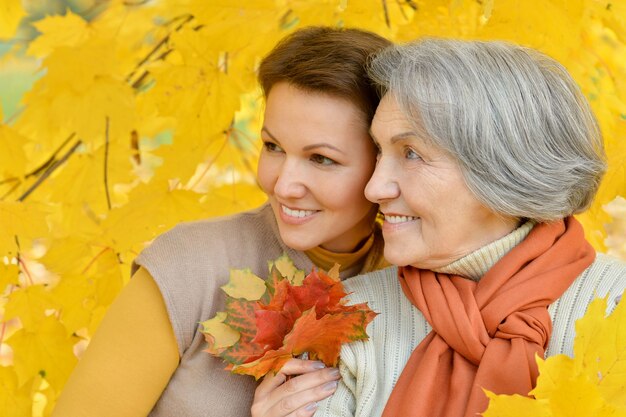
(15, 399)
(150, 210)
(8, 275)
(11, 13)
(29, 305)
(12, 156)
(222, 334)
(56, 31)
(244, 284)
(44, 349)
(20, 220)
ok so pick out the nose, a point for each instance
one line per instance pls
(382, 186)
(290, 183)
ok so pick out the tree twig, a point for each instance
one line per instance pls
(106, 162)
(387, 20)
(43, 166)
(50, 170)
(158, 46)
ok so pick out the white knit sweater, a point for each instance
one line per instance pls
(370, 369)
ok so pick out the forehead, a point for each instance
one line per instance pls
(389, 120)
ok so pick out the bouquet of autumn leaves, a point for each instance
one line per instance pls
(267, 322)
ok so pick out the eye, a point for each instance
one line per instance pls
(272, 147)
(409, 153)
(321, 159)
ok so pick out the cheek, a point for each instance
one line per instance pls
(351, 191)
(267, 174)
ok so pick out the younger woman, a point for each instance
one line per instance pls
(147, 356)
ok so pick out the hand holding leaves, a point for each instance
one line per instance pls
(259, 332)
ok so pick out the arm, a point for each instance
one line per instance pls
(130, 359)
(281, 396)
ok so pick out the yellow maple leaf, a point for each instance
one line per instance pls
(11, 14)
(592, 383)
(21, 220)
(222, 335)
(600, 350)
(150, 210)
(15, 399)
(244, 284)
(44, 349)
(29, 305)
(8, 275)
(56, 31)
(12, 155)
(515, 406)
(288, 269)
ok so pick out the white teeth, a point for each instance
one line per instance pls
(296, 213)
(399, 219)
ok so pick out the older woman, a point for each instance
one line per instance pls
(486, 150)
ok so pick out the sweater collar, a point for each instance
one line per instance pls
(477, 263)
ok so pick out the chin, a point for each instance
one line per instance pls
(297, 244)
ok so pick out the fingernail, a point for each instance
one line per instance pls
(311, 407)
(318, 365)
(330, 386)
(333, 373)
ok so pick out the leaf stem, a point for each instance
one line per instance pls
(95, 258)
(106, 162)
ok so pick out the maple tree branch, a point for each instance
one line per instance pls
(106, 162)
(50, 170)
(8, 193)
(43, 166)
(387, 20)
(156, 47)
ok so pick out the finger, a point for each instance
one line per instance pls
(296, 404)
(269, 384)
(301, 366)
(306, 411)
(307, 381)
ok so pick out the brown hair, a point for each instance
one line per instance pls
(326, 60)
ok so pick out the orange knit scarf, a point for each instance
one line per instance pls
(486, 334)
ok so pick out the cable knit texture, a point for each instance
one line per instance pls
(371, 369)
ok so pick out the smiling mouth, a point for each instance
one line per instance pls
(299, 214)
(399, 219)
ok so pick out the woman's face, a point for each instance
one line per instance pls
(431, 217)
(317, 157)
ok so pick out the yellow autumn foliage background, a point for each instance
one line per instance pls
(145, 113)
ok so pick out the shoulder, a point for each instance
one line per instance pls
(219, 237)
(605, 277)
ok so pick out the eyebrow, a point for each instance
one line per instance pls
(264, 129)
(395, 138)
(322, 145)
(308, 147)
(402, 136)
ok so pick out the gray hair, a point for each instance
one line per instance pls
(519, 127)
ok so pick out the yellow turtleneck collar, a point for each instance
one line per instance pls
(325, 259)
